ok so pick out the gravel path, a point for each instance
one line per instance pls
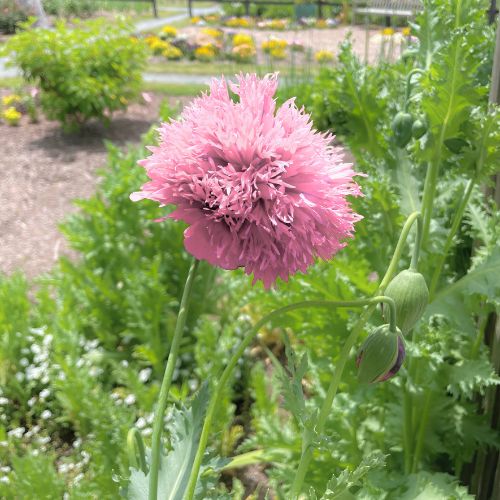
(41, 171)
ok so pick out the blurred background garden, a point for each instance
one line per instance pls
(90, 284)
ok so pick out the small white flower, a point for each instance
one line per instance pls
(141, 423)
(45, 393)
(147, 432)
(44, 440)
(24, 362)
(5, 468)
(4, 401)
(31, 401)
(144, 374)
(4, 479)
(17, 432)
(130, 399)
(46, 414)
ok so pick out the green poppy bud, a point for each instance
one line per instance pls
(401, 126)
(381, 355)
(411, 295)
(419, 128)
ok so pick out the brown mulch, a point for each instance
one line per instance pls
(42, 170)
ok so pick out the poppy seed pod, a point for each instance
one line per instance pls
(401, 126)
(411, 295)
(381, 355)
(419, 128)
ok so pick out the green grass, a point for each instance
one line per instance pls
(227, 67)
(175, 89)
(13, 82)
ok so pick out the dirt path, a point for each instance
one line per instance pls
(41, 171)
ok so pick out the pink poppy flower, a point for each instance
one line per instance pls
(258, 186)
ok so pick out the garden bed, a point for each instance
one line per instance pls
(45, 169)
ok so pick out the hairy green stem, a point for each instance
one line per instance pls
(457, 219)
(247, 339)
(433, 170)
(307, 450)
(167, 380)
(421, 431)
(398, 251)
(416, 248)
(136, 451)
(413, 72)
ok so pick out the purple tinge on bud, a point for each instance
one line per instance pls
(397, 364)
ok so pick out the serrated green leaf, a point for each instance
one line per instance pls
(471, 376)
(483, 279)
(338, 486)
(429, 486)
(175, 466)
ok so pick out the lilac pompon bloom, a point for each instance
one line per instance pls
(258, 186)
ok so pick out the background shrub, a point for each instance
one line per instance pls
(78, 8)
(10, 15)
(86, 71)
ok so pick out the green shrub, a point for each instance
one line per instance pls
(86, 71)
(10, 15)
(67, 8)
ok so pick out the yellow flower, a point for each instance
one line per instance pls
(212, 32)
(172, 53)
(243, 52)
(205, 53)
(277, 24)
(323, 56)
(277, 53)
(157, 45)
(388, 32)
(406, 31)
(238, 22)
(273, 44)
(242, 39)
(321, 23)
(195, 19)
(11, 116)
(169, 31)
(11, 99)
(123, 100)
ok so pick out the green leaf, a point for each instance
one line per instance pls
(291, 383)
(470, 376)
(483, 280)
(338, 486)
(429, 486)
(175, 466)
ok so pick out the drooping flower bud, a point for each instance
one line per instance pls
(381, 355)
(411, 295)
(401, 126)
(419, 128)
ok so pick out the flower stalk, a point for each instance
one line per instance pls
(307, 452)
(248, 338)
(167, 380)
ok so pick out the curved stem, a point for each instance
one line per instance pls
(409, 84)
(307, 450)
(416, 248)
(457, 219)
(249, 336)
(396, 257)
(167, 380)
(136, 451)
